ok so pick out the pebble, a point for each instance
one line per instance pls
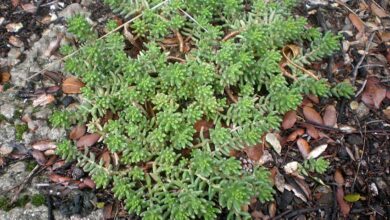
(5, 149)
(14, 27)
(373, 189)
(362, 110)
(8, 110)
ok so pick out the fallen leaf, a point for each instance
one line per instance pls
(59, 179)
(385, 36)
(338, 177)
(254, 152)
(106, 158)
(378, 11)
(49, 152)
(272, 209)
(312, 131)
(386, 112)
(274, 142)
(77, 132)
(296, 192)
(72, 85)
(203, 124)
(44, 145)
(353, 197)
(293, 136)
(39, 157)
(289, 120)
(5, 76)
(43, 100)
(88, 140)
(305, 188)
(313, 98)
(5, 150)
(15, 3)
(344, 206)
(54, 45)
(330, 116)
(14, 27)
(357, 22)
(373, 93)
(89, 182)
(30, 8)
(316, 152)
(303, 147)
(32, 125)
(312, 115)
(14, 41)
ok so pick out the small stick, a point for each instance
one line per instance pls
(230, 94)
(181, 42)
(24, 183)
(355, 70)
(231, 35)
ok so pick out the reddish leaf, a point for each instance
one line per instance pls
(330, 116)
(303, 147)
(356, 21)
(32, 126)
(30, 8)
(338, 177)
(72, 85)
(39, 157)
(373, 93)
(378, 11)
(88, 140)
(314, 98)
(312, 131)
(59, 179)
(254, 152)
(312, 115)
(89, 183)
(43, 100)
(77, 132)
(44, 145)
(344, 206)
(293, 136)
(203, 124)
(289, 120)
(106, 158)
(305, 188)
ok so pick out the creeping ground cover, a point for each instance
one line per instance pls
(175, 115)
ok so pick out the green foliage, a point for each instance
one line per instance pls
(19, 131)
(38, 199)
(167, 168)
(319, 165)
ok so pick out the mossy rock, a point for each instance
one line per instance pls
(20, 129)
(38, 199)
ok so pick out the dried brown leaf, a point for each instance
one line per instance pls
(14, 41)
(203, 124)
(305, 188)
(254, 152)
(89, 183)
(44, 145)
(316, 152)
(313, 98)
(43, 100)
(272, 209)
(72, 85)
(5, 76)
(77, 132)
(374, 93)
(293, 136)
(344, 206)
(59, 179)
(30, 8)
(289, 120)
(303, 147)
(385, 36)
(378, 11)
(273, 140)
(312, 131)
(106, 159)
(338, 177)
(39, 157)
(357, 22)
(312, 115)
(330, 116)
(88, 140)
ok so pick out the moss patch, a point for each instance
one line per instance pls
(20, 129)
(2, 118)
(38, 200)
(30, 165)
(4, 203)
(22, 201)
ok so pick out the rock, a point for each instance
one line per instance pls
(5, 149)
(71, 10)
(14, 175)
(8, 110)
(43, 113)
(7, 134)
(43, 132)
(362, 110)
(13, 56)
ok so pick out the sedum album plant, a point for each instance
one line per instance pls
(225, 71)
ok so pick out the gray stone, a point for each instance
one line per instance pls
(8, 110)
(7, 134)
(43, 113)
(41, 213)
(43, 132)
(362, 110)
(5, 149)
(71, 10)
(14, 175)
